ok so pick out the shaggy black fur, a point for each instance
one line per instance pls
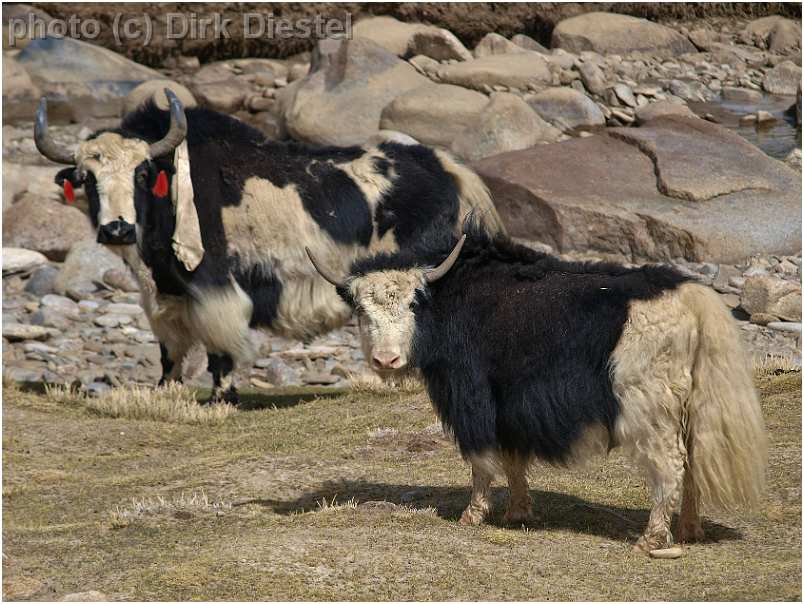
(514, 344)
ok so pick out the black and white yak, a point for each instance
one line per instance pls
(213, 218)
(528, 357)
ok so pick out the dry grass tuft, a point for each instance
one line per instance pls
(369, 383)
(196, 501)
(774, 364)
(173, 403)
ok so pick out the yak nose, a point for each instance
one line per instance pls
(117, 232)
(386, 360)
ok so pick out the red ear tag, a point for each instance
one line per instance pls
(69, 193)
(161, 187)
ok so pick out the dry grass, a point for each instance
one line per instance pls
(774, 364)
(369, 383)
(354, 497)
(173, 403)
(185, 502)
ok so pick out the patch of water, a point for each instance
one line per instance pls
(776, 139)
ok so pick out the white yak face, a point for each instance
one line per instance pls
(384, 301)
(112, 160)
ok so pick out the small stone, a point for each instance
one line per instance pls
(18, 260)
(261, 384)
(761, 318)
(119, 279)
(112, 320)
(764, 117)
(318, 378)
(671, 553)
(784, 326)
(61, 304)
(122, 309)
(42, 280)
(730, 300)
(17, 332)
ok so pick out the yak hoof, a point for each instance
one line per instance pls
(647, 544)
(517, 516)
(472, 517)
(690, 533)
(229, 396)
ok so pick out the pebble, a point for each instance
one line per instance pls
(671, 553)
(785, 326)
(112, 320)
(122, 309)
(16, 332)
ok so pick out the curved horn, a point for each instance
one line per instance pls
(177, 131)
(321, 271)
(46, 145)
(443, 268)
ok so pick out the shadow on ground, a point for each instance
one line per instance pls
(554, 511)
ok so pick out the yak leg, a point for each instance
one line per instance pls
(664, 461)
(223, 388)
(172, 357)
(690, 521)
(479, 504)
(520, 505)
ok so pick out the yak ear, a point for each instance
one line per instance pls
(187, 243)
(69, 174)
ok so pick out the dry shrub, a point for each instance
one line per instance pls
(195, 501)
(775, 364)
(173, 403)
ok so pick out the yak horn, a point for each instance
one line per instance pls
(46, 145)
(443, 268)
(177, 131)
(321, 271)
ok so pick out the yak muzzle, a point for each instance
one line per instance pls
(117, 232)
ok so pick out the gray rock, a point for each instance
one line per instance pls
(85, 596)
(793, 159)
(17, 332)
(45, 226)
(776, 33)
(155, 89)
(566, 109)
(507, 123)
(434, 114)
(610, 33)
(495, 44)
(17, 260)
(81, 79)
(520, 71)
(785, 326)
(42, 280)
(772, 296)
(60, 304)
(652, 111)
(94, 390)
(529, 43)
(388, 32)
(675, 187)
(625, 94)
(19, 91)
(740, 95)
(593, 78)
(86, 263)
(122, 309)
(341, 104)
(438, 44)
(785, 78)
(122, 280)
(112, 320)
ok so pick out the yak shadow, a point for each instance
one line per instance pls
(554, 511)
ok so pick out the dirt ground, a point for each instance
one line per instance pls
(353, 497)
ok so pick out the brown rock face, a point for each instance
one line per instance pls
(45, 226)
(608, 33)
(636, 192)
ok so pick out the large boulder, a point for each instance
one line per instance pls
(785, 78)
(609, 34)
(434, 114)
(155, 89)
(567, 109)
(84, 266)
(520, 70)
(651, 111)
(45, 226)
(20, 180)
(495, 44)
(507, 123)
(769, 295)
(19, 92)
(675, 187)
(775, 33)
(438, 44)
(341, 103)
(390, 33)
(80, 79)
